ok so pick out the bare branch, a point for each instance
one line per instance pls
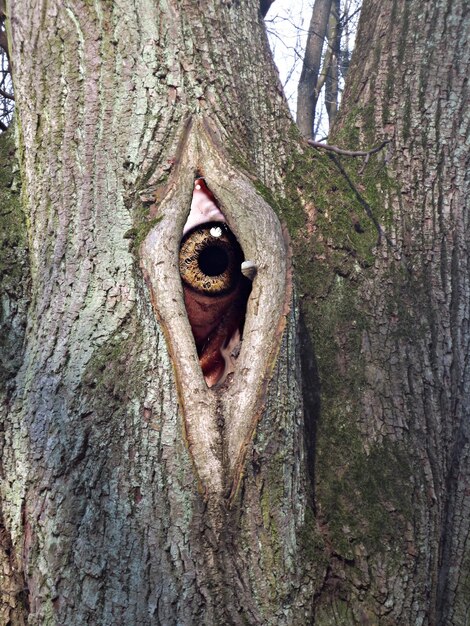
(351, 153)
(348, 18)
(5, 94)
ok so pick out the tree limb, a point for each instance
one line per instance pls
(351, 153)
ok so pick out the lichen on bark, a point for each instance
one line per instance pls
(106, 465)
(101, 500)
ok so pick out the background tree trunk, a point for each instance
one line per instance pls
(391, 330)
(104, 517)
(307, 93)
(332, 69)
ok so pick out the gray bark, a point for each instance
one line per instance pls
(14, 283)
(124, 500)
(307, 92)
(403, 340)
(130, 493)
(332, 68)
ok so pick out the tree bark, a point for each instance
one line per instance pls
(14, 283)
(398, 422)
(307, 92)
(132, 494)
(332, 68)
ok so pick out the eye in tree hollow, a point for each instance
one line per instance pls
(215, 289)
(205, 296)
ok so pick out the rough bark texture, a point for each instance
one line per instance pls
(358, 518)
(105, 515)
(14, 279)
(397, 415)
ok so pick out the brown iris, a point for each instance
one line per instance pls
(210, 258)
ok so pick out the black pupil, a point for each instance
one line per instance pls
(213, 261)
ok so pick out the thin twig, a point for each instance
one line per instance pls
(351, 153)
(347, 18)
(6, 95)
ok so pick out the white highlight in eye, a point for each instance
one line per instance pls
(216, 231)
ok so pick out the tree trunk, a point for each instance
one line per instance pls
(332, 69)
(133, 494)
(307, 92)
(393, 445)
